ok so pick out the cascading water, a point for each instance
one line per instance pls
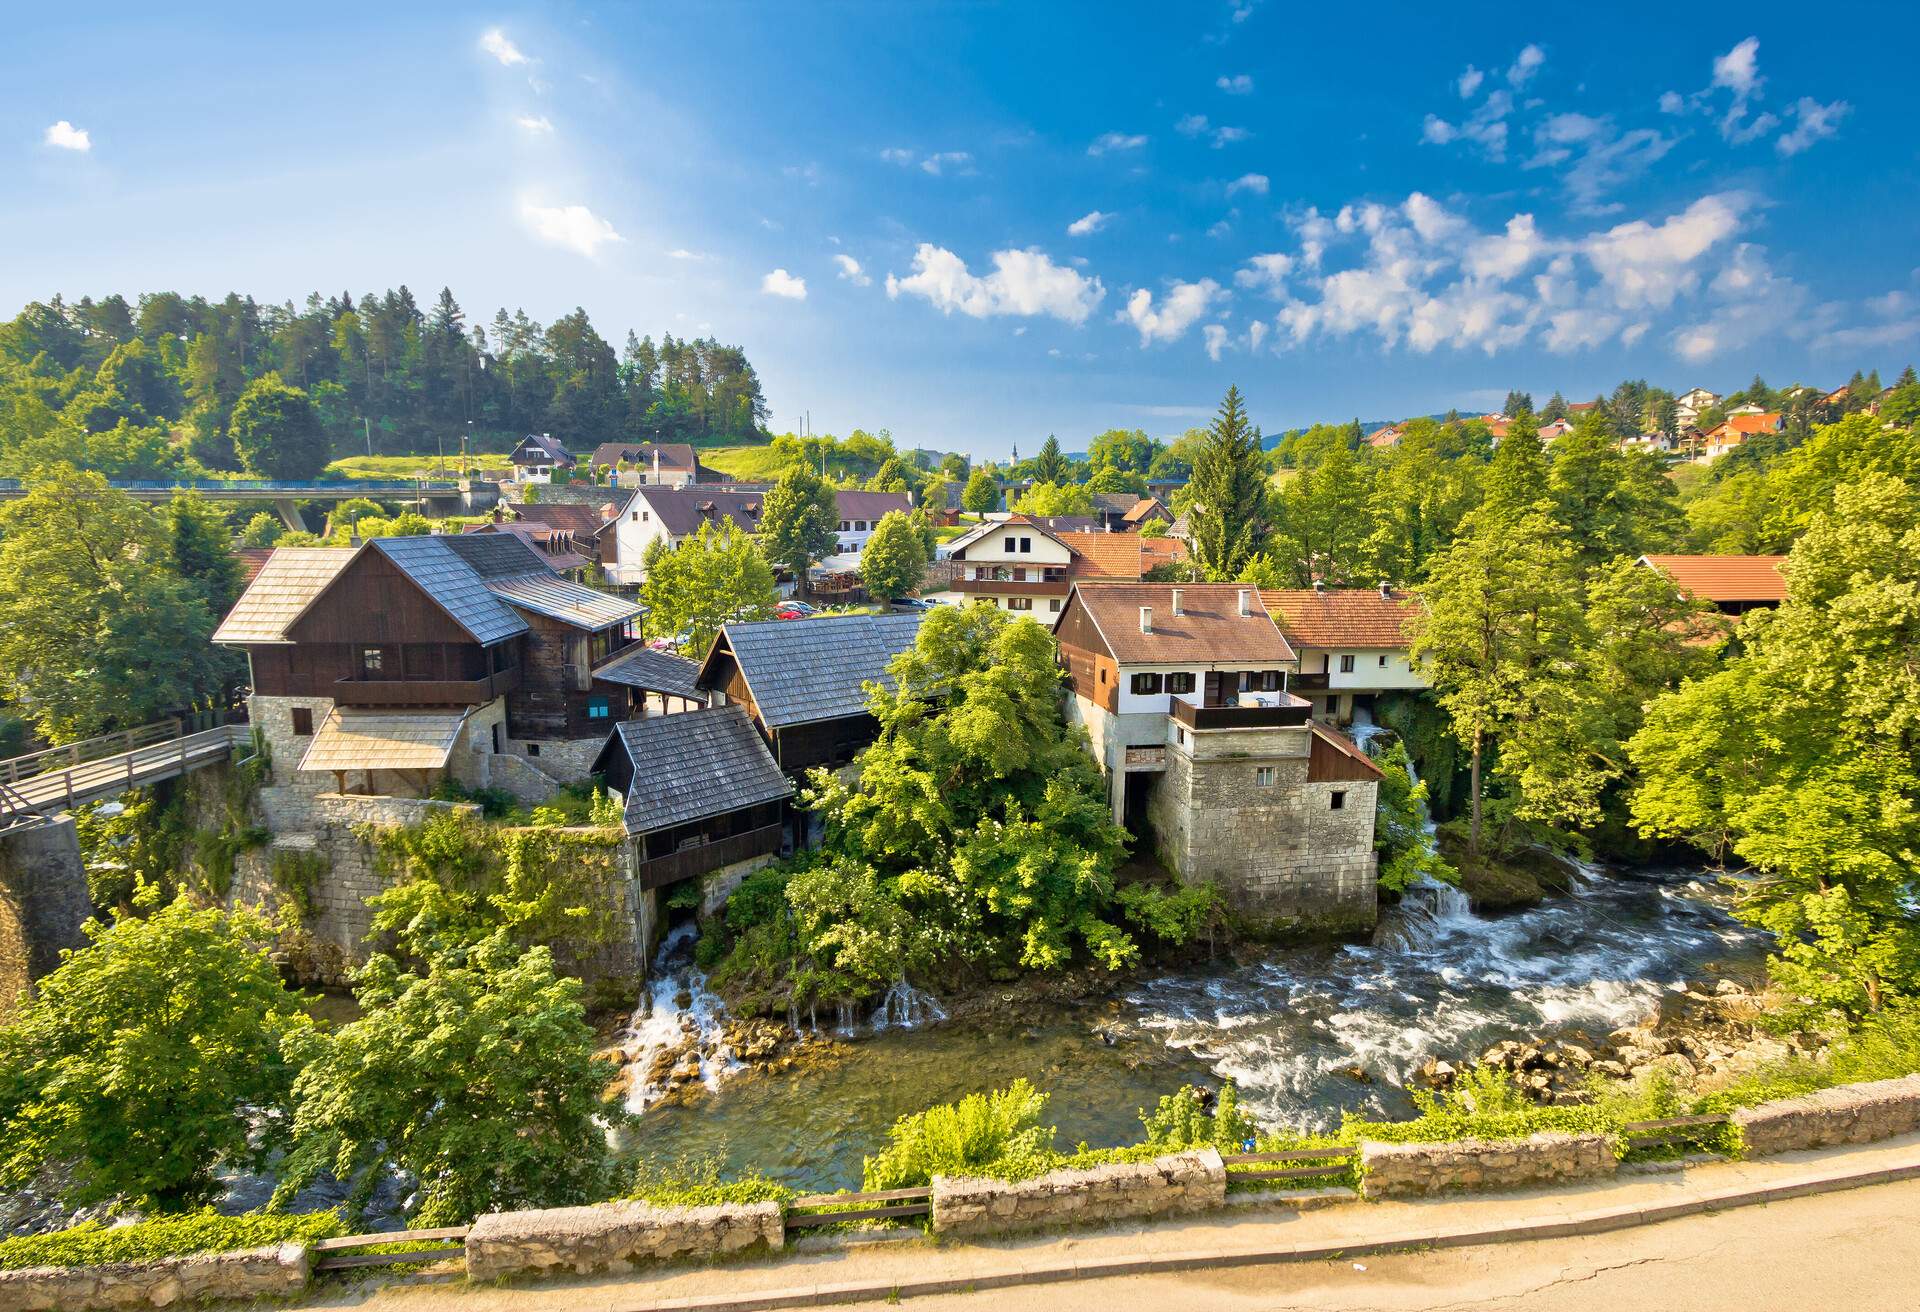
(906, 1007)
(678, 1023)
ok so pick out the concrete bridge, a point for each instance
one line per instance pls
(464, 497)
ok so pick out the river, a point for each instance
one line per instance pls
(1304, 1033)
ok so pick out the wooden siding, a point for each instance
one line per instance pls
(831, 743)
(549, 703)
(1085, 656)
(1326, 763)
(317, 669)
(371, 603)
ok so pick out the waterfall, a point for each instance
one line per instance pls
(1428, 914)
(905, 1007)
(679, 1021)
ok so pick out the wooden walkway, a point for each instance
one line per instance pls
(38, 786)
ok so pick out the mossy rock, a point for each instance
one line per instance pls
(1499, 882)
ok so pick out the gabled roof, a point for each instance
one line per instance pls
(535, 535)
(1120, 556)
(978, 531)
(1118, 503)
(453, 582)
(383, 740)
(1751, 424)
(1342, 617)
(564, 600)
(291, 577)
(252, 561)
(1144, 509)
(1209, 630)
(544, 443)
(853, 503)
(673, 455)
(804, 671)
(654, 671)
(578, 518)
(1724, 578)
(683, 510)
(693, 765)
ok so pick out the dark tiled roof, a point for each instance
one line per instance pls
(655, 671)
(455, 584)
(802, 671)
(683, 510)
(541, 442)
(564, 600)
(856, 504)
(497, 555)
(582, 519)
(694, 765)
(673, 455)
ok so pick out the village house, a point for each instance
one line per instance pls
(701, 798)
(1123, 512)
(556, 546)
(1212, 764)
(1733, 584)
(860, 514)
(537, 457)
(802, 682)
(649, 464)
(1691, 404)
(562, 528)
(1733, 434)
(399, 663)
(1386, 438)
(1353, 645)
(674, 514)
(1021, 565)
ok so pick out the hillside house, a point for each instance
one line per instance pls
(1211, 762)
(649, 464)
(860, 514)
(673, 514)
(537, 457)
(407, 660)
(1022, 565)
(1691, 404)
(1734, 433)
(1733, 584)
(1353, 645)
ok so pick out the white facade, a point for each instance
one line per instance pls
(853, 535)
(633, 532)
(1017, 554)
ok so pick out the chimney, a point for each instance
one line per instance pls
(1319, 585)
(656, 464)
(1176, 603)
(1246, 602)
(1146, 619)
(1386, 591)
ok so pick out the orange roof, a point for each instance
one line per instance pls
(1725, 578)
(252, 561)
(1117, 555)
(1208, 628)
(1145, 508)
(1748, 425)
(1341, 617)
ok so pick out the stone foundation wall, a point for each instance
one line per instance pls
(1852, 1113)
(1398, 1170)
(568, 760)
(43, 904)
(1165, 1186)
(615, 1236)
(716, 886)
(254, 1273)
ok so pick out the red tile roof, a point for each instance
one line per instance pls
(252, 561)
(1725, 578)
(1748, 425)
(1209, 627)
(1342, 617)
(1117, 555)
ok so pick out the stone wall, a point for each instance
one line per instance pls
(1852, 1113)
(43, 903)
(1395, 1170)
(716, 886)
(1279, 850)
(615, 1236)
(1165, 1186)
(568, 760)
(254, 1273)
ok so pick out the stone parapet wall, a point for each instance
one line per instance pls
(1164, 1186)
(1399, 1170)
(278, 1272)
(1851, 1113)
(615, 1236)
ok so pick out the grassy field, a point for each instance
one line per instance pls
(428, 467)
(749, 464)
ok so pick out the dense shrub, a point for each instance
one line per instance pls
(92, 1244)
(1884, 1047)
(696, 1182)
(963, 1138)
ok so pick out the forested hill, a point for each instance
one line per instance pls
(171, 366)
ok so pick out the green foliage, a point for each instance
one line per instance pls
(92, 1243)
(276, 431)
(894, 561)
(799, 520)
(1176, 916)
(1881, 1047)
(1228, 510)
(696, 1182)
(143, 1060)
(478, 1077)
(1483, 1103)
(1407, 851)
(1043, 499)
(968, 1137)
(981, 493)
(1180, 1121)
(706, 581)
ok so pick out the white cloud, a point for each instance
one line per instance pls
(1023, 283)
(1504, 256)
(1238, 85)
(682, 253)
(1254, 182)
(958, 160)
(1090, 222)
(1672, 102)
(1185, 304)
(850, 270)
(540, 125)
(1525, 65)
(1486, 127)
(1227, 136)
(65, 136)
(574, 227)
(1645, 264)
(1109, 142)
(1265, 272)
(1215, 337)
(1192, 125)
(897, 155)
(1599, 157)
(496, 44)
(1469, 82)
(1739, 69)
(1256, 334)
(783, 284)
(1813, 122)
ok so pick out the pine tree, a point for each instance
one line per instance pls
(1050, 466)
(1228, 511)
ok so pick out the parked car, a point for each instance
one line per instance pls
(800, 606)
(914, 603)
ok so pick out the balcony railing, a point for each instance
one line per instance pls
(1311, 682)
(1012, 587)
(424, 692)
(699, 860)
(1291, 710)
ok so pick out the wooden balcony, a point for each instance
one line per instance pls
(424, 692)
(699, 860)
(1292, 711)
(1010, 588)
(1310, 682)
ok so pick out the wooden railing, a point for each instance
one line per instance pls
(41, 783)
(88, 749)
(408, 1247)
(877, 1205)
(1240, 717)
(424, 692)
(691, 861)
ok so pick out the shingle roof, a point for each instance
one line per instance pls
(563, 599)
(1117, 502)
(683, 510)
(802, 671)
(496, 555)
(578, 518)
(673, 455)
(655, 671)
(1144, 509)
(1120, 556)
(694, 765)
(1209, 629)
(1725, 578)
(383, 740)
(455, 584)
(556, 452)
(1341, 617)
(534, 535)
(856, 504)
(292, 577)
(978, 531)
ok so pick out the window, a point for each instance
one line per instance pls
(1383, 662)
(1270, 680)
(1103, 674)
(1337, 802)
(371, 659)
(1263, 776)
(846, 526)
(1026, 544)
(533, 749)
(1146, 685)
(1019, 603)
(598, 709)
(303, 721)
(1346, 664)
(1053, 604)
(1181, 682)
(636, 517)
(859, 526)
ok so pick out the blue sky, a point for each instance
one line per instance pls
(974, 224)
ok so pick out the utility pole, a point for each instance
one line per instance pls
(367, 424)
